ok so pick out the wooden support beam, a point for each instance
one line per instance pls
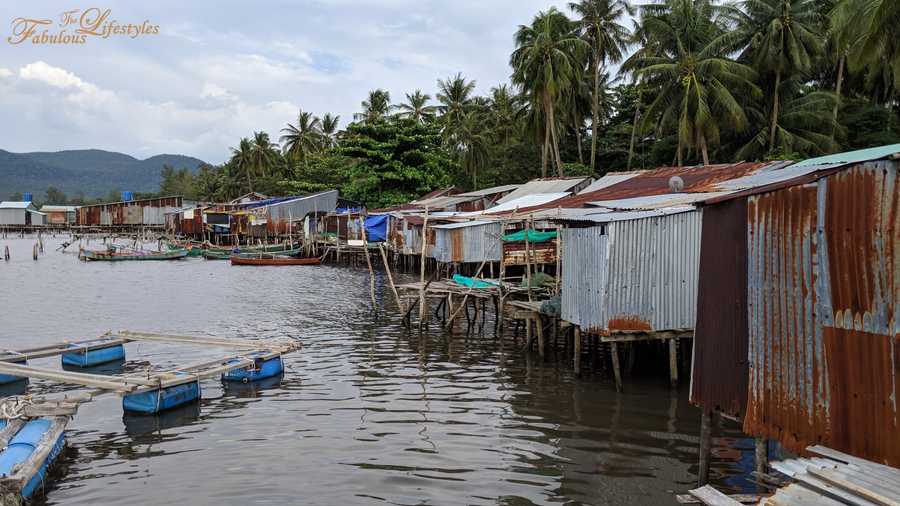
(114, 383)
(761, 454)
(208, 341)
(673, 362)
(617, 369)
(539, 322)
(577, 351)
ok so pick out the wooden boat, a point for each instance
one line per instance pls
(272, 260)
(114, 255)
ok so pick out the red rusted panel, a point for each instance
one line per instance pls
(720, 337)
(862, 418)
(628, 323)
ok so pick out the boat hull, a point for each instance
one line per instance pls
(238, 260)
(102, 256)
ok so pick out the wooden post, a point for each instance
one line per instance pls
(527, 261)
(528, 337)
(558, 258)
(422, 311)
(617, 370)
(390, 276)
(362, 224)
(705, 447)
(540, 332)
(762, 455)
(673, 362)
(577, 346)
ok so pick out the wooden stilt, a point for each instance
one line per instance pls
(705, 447)
(540, 333)
(577, 351)
(387, 267)
(673, 362)
(528, 334)
(617, 371)
(761, 454)
(422, 311)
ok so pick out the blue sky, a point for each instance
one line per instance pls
(220, 70)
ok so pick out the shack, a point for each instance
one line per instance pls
(467, 242)
(802, 344)
(59, 215)
(20, 213)
(144, 212)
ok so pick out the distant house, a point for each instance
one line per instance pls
(59, 215)
(20, 213)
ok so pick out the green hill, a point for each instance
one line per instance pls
(92, 172)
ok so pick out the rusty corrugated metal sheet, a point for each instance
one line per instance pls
(823, 290)
(470, 242)
(719, 374)
(584, 259)
(541, 253)
(133, 212)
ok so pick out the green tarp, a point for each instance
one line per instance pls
(533, 236)
(472, 282)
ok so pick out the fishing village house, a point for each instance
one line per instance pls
(20, 213)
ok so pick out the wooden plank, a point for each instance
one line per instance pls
(64, 347)
(626, 337)
(823, 488)
(90, 380)
(12, 427)
(878, 496)
(797, 495)
(209, 341)
(850, 459)
(712, 497)
(741, 498)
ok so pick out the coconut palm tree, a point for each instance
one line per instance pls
(242, 160)
(474, 141)
(781, 38)
(806, 125)
(263, 154)
(304, 138)
(694, 80)
(376, 107)
(609, 40)
(873, 28)
(330, 123)
(455, 96)
(416, 107)
(546, 64)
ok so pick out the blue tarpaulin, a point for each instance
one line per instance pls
(376, 228)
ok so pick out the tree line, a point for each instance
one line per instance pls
(604, 86)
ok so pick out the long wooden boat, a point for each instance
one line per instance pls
(272, 260)
(120, 255)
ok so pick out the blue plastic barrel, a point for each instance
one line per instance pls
(127, 196)
(26, 197)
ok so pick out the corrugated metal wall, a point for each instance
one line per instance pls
(653, 271)
(641, 276)
(135, 212)
(584, 260)
(719, 373)
(469, 244)
(823, 290)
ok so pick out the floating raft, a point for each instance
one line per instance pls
(30, 449)
(152, 392)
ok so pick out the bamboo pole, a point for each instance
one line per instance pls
(527, 261)
(210, 341)
(362, 227)
(422, 311)
(387, 267)
(74, 378)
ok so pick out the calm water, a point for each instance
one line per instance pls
(366, 413)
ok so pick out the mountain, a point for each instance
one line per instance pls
(93, 172)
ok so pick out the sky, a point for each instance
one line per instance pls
(218, 71)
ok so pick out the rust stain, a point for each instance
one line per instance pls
(627, 322)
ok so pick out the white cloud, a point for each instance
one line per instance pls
(214, 91)
(54, 76)
(4, 72)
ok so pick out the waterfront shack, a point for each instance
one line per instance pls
(129, 213)
(20, 213)
(59, 215)
(797, 330)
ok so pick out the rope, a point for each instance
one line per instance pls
(13, 408)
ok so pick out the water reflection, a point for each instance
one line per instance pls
(367, 411)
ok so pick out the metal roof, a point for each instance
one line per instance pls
(524, 201)
(12, 204)
(611, 179)
(549, 185)
(57, 209)
(464, 224)
(599, 215)
(490, 191)
(860, 155)
(656, 201)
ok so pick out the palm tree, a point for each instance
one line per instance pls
(330, 123)
(694, 80)
(474, 141)
(546, 64)
(781, 38)
(455, 97)
(263, 154)
(303, 138)
(872, 27)
(375, 108)
(242, 160)
(609, 41)
(416, 107)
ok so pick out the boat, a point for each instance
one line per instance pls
(113, 255)
(32, 447)
(216, 254)
(272, 260)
